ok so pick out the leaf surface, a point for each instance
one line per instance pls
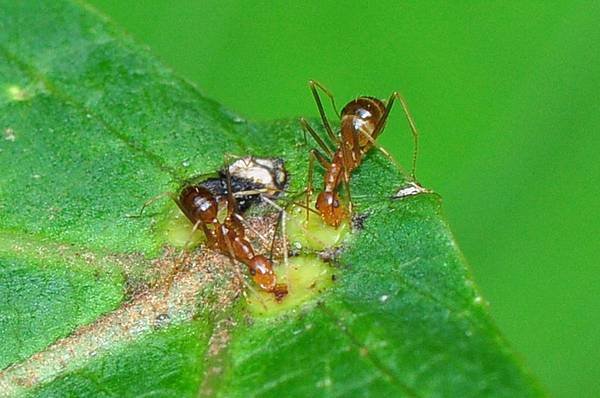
(92, 127)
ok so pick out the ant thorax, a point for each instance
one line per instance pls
(361, 117)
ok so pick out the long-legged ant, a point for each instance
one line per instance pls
(362, 121)
(228, 236)
(247, 179)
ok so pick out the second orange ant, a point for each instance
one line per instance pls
(361, 121)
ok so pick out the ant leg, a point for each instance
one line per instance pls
(283, 228)
(349, 156)
(191, 236)
(315, 84)
(281, 223)
(230, 156)
(323, 161)
(384, 151)
(312, 155)
(152, 200)
(415, 134)
(231, 202)
(250, 227)
(303, 205)
(261, 191)
(309, 184)
(411, 124)
(315, 136)
(346, 180)
(177, 267)
(277, 225)
(313, 87)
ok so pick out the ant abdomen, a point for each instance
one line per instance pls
(361, 116)
(366, 108)
(198, 204)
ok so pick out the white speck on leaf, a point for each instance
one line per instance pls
(326, 382)
(410, 189)
(9, 135)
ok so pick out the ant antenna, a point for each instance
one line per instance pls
(307, 128)
(313, 87)
(283, 228)
(411, 123)
(384, 151)
(151, 201)
(315, 84)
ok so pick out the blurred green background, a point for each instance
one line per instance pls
(507, 98)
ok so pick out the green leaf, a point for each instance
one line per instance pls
(92, 126)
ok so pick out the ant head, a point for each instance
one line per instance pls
(331, 209)
(262, 273)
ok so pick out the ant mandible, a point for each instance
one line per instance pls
(362, 121)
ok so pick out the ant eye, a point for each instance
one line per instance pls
(252, 271)
(336, 203)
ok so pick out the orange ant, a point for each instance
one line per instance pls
(362, 121)
(201, 208)
(200, 204)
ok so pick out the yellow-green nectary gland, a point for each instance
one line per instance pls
(313, 234)
(306, 277)
(178, 230)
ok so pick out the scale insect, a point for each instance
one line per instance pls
(362, 120)
(251, 180)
